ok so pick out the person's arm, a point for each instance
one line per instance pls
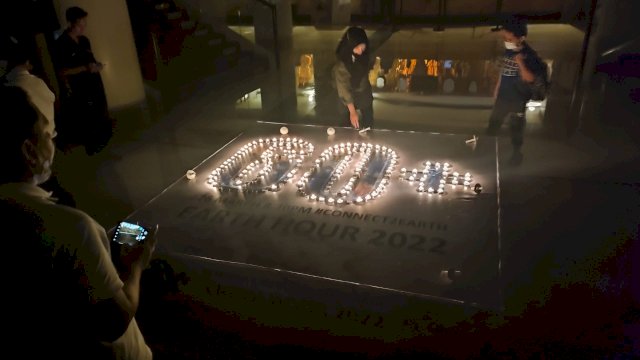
(116, 296)
(115, 314)
(496, 88)
(118, 311)
(74, 70)
(353, 116)
(525, 73)
(345, 92)
(91, 67)
(63, 58)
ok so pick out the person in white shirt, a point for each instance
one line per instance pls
(63, 296)
(19, 74)
(41, 96)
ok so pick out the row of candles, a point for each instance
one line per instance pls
(435, 172)
(347, 151)
(257, 175)
(292, 150)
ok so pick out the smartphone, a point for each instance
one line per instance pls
(129, 233)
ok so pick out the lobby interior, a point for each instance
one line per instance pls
(568, 213)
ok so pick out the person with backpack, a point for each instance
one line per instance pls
(523, 77)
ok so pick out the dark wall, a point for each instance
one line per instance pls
(611, 79)
(28, 17)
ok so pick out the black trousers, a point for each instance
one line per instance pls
(84, 120)
(514, 113)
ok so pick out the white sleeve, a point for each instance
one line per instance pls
(94, 255)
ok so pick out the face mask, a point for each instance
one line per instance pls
(511, 46)
(42, 173)
(45, 174)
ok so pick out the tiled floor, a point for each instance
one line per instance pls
(569, 212)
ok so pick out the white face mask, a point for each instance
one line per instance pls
(45, 174)
(511, 46)
(46, 156)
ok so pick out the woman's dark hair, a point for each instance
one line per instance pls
(359, 68)
(75, 13)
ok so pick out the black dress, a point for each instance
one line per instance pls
(84, 116)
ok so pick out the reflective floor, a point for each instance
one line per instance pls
(568, 212)
(344, 208)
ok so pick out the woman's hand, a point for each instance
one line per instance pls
(355, 121)
(353, 116)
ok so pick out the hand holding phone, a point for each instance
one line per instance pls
(131, 234)
(138, 244)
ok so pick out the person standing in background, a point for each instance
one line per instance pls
(351, 79)
(83, 100)
(19, 74)
(519, 69)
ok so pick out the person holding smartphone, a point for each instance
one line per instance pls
(521, 67)
(64, 298)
